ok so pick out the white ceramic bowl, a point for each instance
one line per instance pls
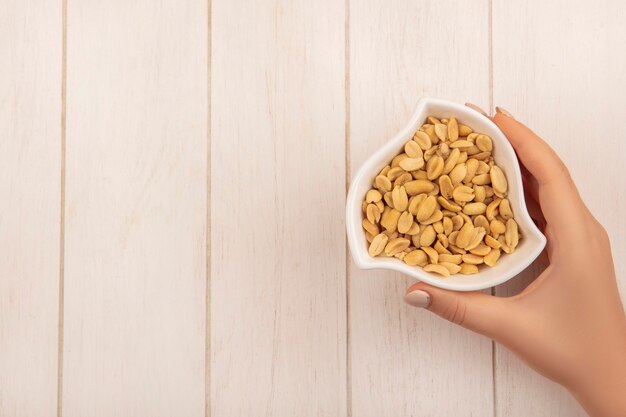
(508, 265)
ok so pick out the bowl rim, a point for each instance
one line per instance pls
(353, 204)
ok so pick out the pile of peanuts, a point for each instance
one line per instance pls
(441, 204)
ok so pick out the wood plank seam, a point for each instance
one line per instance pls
(493, 290)
(346, 37)
(207, 355)
(62, 208)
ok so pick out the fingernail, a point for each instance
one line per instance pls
(478, 109)
(418, 298)
(504, 112)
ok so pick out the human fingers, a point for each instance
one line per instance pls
(556, 192)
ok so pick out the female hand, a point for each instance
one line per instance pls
(568, 324)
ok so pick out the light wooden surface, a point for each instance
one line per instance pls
(179, 249)
(136, 209)
(30, 172)
(278, 262)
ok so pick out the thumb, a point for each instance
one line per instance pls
(481, 313)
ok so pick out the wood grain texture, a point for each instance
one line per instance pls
(565, 79)
(407, 362)
(136, 175)
(30, 160)
(278, 301)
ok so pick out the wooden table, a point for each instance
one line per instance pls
(172, 183)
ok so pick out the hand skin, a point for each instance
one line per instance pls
(569, 324)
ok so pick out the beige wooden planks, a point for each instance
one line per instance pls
(278, 301)
(30, 192)
(136, 207)
(407, 362)
(564, 77)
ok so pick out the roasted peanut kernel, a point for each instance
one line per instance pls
(396, 245)
(454, 259)
(447, 225)
(492, 209)
(435, 217)
(382, 183)
(405, 222)
(373, 196)
(434, 168)
(492, 242)
(505, 209)
(370, 227)
(472, 166)
(448, 205)
(483, 167)
(445, 187)
(415, 201)
(468, 269)
(399, 198)
(498, 181)
(481, 221)
(451, 161)
(511, 234)
(414, 229)
(479, 193)
(457, 222)
(441, 131)
(484, 143)
(474, 208)
(416, 257)
(463, 144)
(438, 269)
(426, 208)
(394, 173)
(433, 255)
(390, 219)
(464, 130)
(416, 187)
(469, 258)
(453, 129)
(462, 193)
(413, 149)
(388, 199)
(402, 179)
(465, 235)
(397, 159)
(481, 179)
(411, 164)
(423, 140)
(497, 227)
(378, 244)
(373, 214)
(492, 257)
(428, 236)
(452, 268)
(481, 250)
(458, 173)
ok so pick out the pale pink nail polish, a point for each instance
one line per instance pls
(476, 108)
(504, 112)
(418, 298)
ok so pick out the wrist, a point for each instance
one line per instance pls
(600, 386)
